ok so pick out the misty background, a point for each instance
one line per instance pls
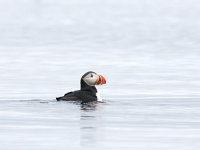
(144, 47)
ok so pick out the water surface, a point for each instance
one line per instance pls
(115, 124)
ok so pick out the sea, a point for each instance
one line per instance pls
(148, 50)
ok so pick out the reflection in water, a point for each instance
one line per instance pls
(89, 106)
(89, 124)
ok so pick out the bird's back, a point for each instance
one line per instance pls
(80, 95)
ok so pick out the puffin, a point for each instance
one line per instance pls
(88, 91)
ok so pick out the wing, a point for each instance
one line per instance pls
(68, 97)
(85, 96)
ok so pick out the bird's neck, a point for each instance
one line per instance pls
(85, 87)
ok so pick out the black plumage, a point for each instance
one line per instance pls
(85, 94)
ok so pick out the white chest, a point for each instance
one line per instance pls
(99, 97)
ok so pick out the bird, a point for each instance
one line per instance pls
(88, 91)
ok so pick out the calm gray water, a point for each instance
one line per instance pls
(147, 49)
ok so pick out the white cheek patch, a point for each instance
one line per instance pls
(90, 80)
(99, 99)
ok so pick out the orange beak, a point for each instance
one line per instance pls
(101, 80)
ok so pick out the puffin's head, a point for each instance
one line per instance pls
(91, 78)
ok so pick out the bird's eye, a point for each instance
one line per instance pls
(91, 75)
